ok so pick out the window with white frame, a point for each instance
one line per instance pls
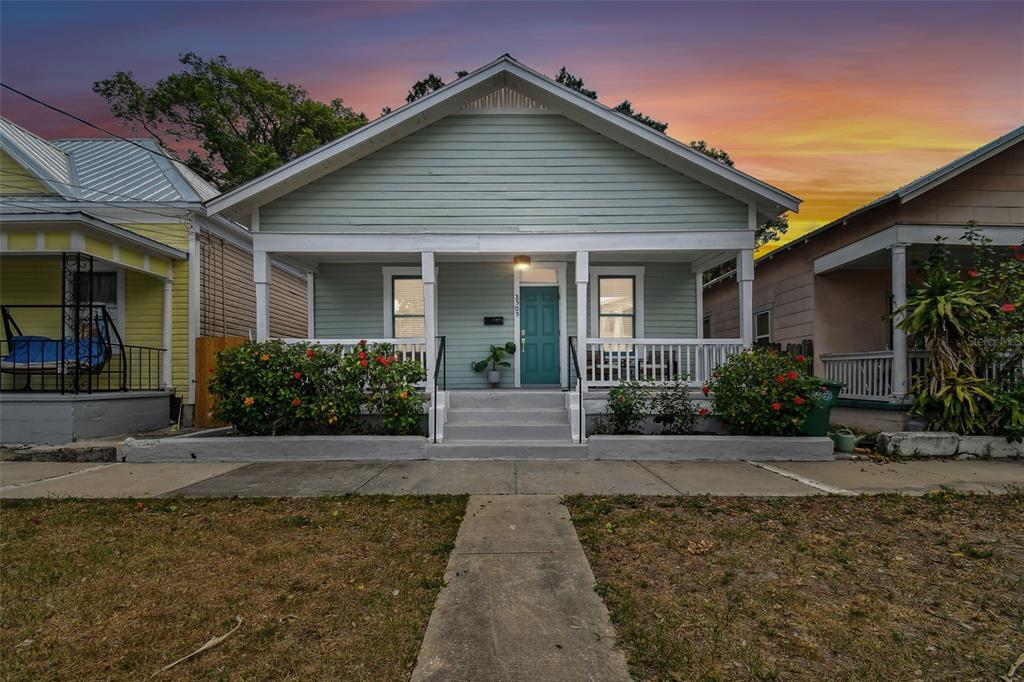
(407, 318)
(617, 302)
(763, 326)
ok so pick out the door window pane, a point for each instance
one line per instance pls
(407, 304)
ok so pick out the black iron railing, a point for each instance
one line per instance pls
(574, 361)
(439, 366)
(85, 355)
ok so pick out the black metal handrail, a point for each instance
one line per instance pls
(137, 367)
(439, 362)
(579, 381)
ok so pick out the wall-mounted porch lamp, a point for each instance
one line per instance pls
(522, 262)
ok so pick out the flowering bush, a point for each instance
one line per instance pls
(272, 388)
(626, 410)
(763, 393)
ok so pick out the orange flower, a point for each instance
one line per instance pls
(776, 406)
(798, 400)
(404, 394)
(296, 402)
(310, 353)
(265, 357)
(249, 400)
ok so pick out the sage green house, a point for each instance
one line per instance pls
(508, 208)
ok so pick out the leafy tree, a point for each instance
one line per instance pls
(576, 83)
(424, 87)
(244, 123)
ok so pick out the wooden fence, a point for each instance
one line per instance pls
(207, 348)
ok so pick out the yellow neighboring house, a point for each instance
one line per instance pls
(109, 269)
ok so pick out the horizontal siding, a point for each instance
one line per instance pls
(503, 173)
(466, 293)
(13, 180)
(348, 300)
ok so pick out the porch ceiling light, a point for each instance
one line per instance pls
(522, 262)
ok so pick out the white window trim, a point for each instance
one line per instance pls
(771, 322)
(637, 273)
(389, 272)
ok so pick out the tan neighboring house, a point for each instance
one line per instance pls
(110, 267)
(836, 285)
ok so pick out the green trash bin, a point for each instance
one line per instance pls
(824, 399)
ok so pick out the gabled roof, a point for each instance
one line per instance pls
(501, 73)
(104, 169)
(39, 157)
(917, 187)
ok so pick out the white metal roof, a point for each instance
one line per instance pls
(505, 72)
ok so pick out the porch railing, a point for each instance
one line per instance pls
(607, 361)
(868, 375)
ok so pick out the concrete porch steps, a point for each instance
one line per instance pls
(507, 424)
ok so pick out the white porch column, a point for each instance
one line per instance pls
(261, 270)
(165, 364)
(900, 379)
(745, 279)
(698, 284)
(582, 304)
(429, 312)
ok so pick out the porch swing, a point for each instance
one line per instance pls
(85, 352)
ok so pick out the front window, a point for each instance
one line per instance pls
(616, 307)
(97, 288)
(763, 326)
(408, 321)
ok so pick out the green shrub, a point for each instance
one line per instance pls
(626, 411)
(763, 393)
(272, 388)
(674, 410)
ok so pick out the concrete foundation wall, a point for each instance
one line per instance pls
(56, 419)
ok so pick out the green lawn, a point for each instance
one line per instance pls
(824, 588)
(327, 588)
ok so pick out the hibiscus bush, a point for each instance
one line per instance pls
(272, 388)
(969, 314)
(761, 392)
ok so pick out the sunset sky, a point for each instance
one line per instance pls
(837, 103)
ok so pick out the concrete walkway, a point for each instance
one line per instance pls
(534, 477)
(519, 603)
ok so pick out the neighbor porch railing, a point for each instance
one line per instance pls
(608, 361)
(868, 375)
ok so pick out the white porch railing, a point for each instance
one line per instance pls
(405, 349)
(607, 361)
(868, 375)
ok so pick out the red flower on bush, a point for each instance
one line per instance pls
(297, 375)
(779, 379)
(800, 358)
(703, 411)
(296, 402)
(362, 342)
(1008, 307)
(362, 355)
(776, 406)
(210, 370)
(1014, 248)
(793, 374)
(706, 389)
(383, 360)
(310, 353)
(363, 362)
(798, 400)
(972, 273)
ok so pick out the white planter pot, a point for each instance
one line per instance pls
(494, 378)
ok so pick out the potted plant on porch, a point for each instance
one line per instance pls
(496, 357)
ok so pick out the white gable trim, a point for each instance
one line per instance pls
(505, 72)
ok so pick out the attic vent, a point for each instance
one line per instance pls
(504, 98)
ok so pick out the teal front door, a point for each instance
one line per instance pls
(539, 333)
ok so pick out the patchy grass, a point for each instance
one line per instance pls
(817, 588)
(327, 588)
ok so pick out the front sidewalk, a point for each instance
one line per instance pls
(594, 477)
